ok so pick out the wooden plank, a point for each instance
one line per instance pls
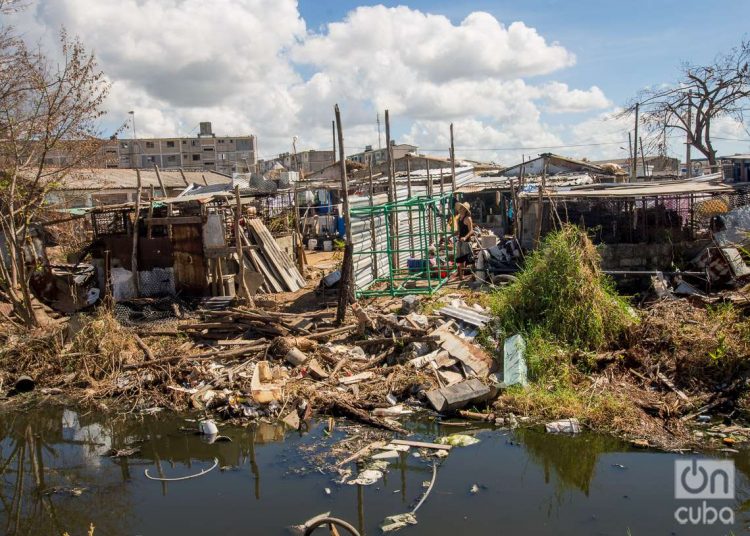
(420, 444)
(284, 265)
(260, 264)
(268, 252)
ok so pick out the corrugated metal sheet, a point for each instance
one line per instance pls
(366, 265)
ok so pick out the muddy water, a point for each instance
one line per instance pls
(55, 478)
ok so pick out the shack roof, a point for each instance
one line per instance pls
(114, 179)
(704, 185)
(554, 161)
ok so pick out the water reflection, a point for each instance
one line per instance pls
(57, 477)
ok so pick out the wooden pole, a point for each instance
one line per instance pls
(373, 240)
(333, 132)
(408, 195)
(161, 184)
(204, 179)
(643, 158)
(630, 154)
(430, 226)
(345, 286)
(453, 164)
(633, 173)
(134, 253)
(392, 193)
(540, 207)
(238, 245)
(150, 212)
(184, 179)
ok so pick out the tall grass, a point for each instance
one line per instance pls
(563, 295)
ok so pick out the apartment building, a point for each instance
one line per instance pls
(205, 152)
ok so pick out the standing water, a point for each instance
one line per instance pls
(58, 477)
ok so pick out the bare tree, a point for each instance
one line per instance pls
(46, 107)
(703, 94)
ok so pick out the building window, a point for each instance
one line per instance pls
(196, 157)
(149, 145)
(150, 159)
(208, 164)
(221, 141)
(123, 145)
(208, 149)
(184, 142)
(171, 158)
(194, 143)
(170, 144)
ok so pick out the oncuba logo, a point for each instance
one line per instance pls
(704, 480)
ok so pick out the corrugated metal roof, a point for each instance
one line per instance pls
(641, 189)
(112, 179)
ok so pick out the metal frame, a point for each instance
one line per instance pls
(407, 250)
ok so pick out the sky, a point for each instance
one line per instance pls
(515, 77)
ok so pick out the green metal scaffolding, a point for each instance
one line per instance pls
(420, 253)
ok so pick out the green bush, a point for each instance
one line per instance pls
(562, 294)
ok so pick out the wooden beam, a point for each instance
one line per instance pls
(134, 253)
(175, 220)
(161, 184)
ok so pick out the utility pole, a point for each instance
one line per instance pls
(643, 158)
(377, 118)
(688, 162)
(345, 285)
(392, 195)
(633, 171)
(333, 131)
(630, 155)
(132, 149)
(294, 154)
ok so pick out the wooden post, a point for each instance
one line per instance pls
(346, 283)
(633, 173)
(108, 299)
(392, 193)
(540, 207)
(150, 212)
(408, 196)
(630, 154)
(184, 179)
(373, 240)
(333, 132)
(643, 158)
(453, 164)
(204, 179)
(161, 184)
(134, 253)
(238, 244)
(430, 227)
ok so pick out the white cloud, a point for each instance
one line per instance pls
(561, 99)
(252, 66)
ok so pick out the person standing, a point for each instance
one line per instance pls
(464, 230)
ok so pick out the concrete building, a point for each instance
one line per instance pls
(378, 156)
(205, 152)
(305, 162)
(737, 167)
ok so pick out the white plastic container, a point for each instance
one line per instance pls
(312, 244)
(327, 245)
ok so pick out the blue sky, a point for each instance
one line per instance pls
(620, 46)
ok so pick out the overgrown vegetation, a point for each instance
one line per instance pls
(562, 301)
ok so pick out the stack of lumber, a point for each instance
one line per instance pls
(279, 272)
